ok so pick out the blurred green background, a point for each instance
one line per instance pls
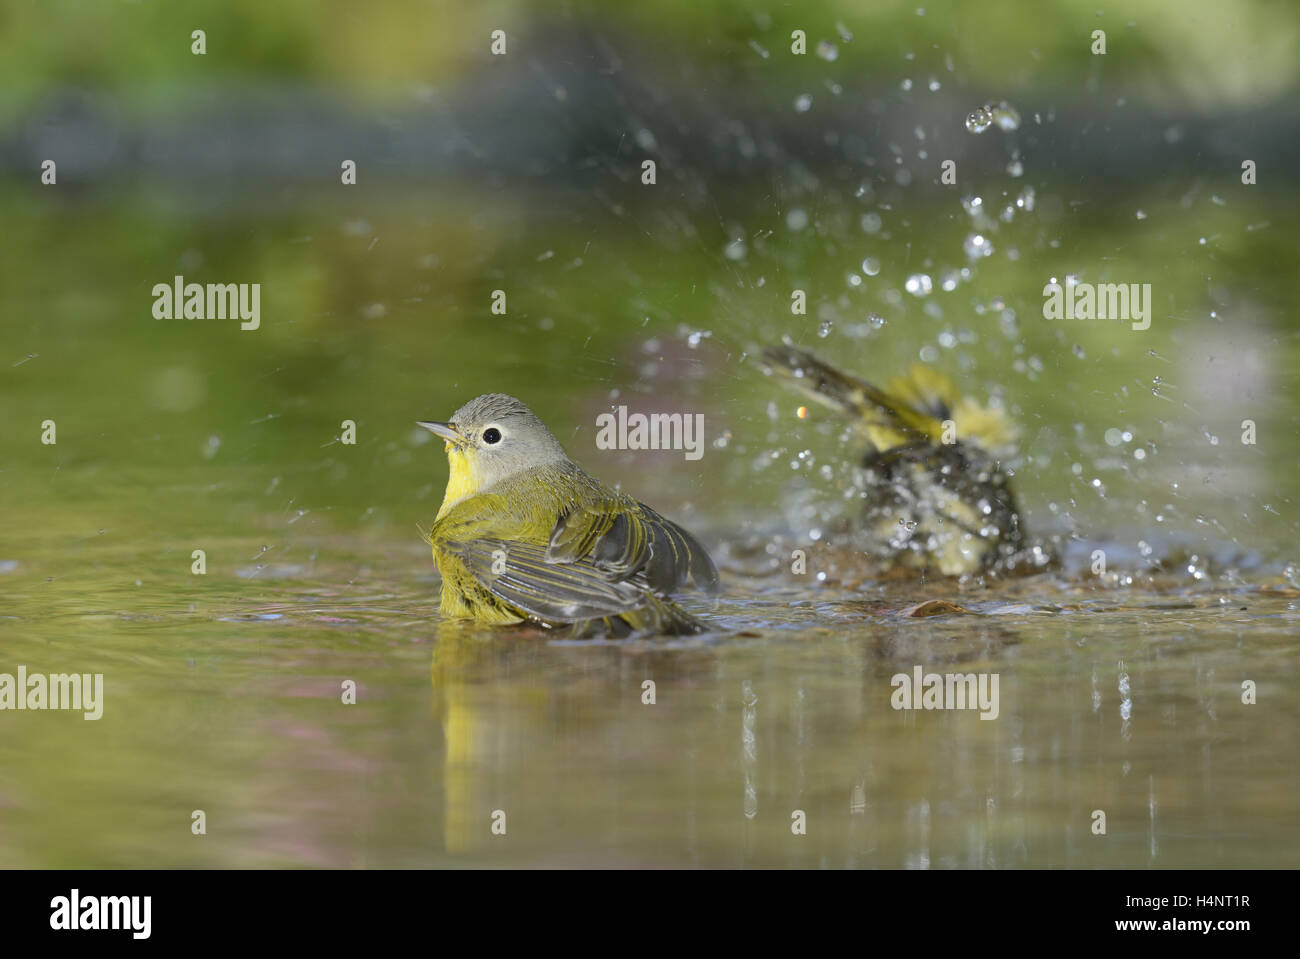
(522, 172)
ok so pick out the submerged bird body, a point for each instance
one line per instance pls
(524, 534)
(934, 490)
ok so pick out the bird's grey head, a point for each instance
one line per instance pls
(498, 436)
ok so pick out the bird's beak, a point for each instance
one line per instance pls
(445, 430)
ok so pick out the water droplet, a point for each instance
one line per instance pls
(803, 103)
(871, 223)
(979, 121)
(976, 246)
(1026, 199)
(918, 284)
(871, 266)
(796, 218)
(1004, 115)
(1016, 168)
(876, 320)
(1001, 113)
(827, 51)
(824, 328)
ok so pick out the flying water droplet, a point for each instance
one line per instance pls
(1002, 113)
(977, 246)
(919, 284)
(979, 121)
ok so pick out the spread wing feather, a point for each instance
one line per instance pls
(888, 420)
(911, 409)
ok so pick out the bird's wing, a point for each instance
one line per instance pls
(623, 538)
(913, 406)
(523, 575)
(889, 420)
(925, 390)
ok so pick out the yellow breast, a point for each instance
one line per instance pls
(463, 481)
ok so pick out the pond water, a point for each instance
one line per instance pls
(224, 693)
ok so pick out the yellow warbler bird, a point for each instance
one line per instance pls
(936, 494)
(524, 534)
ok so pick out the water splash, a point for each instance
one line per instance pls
(1001, 113)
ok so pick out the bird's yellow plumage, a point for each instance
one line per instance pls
(462, 480)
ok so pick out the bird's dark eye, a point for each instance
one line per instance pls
(491, 435)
